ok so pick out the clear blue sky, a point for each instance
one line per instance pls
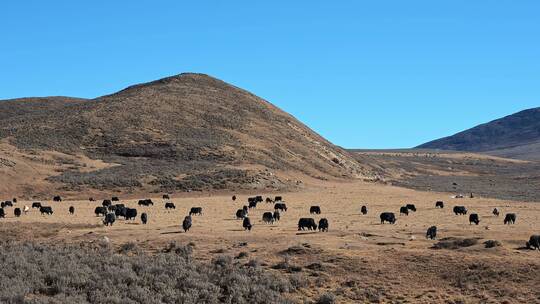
(364, 74)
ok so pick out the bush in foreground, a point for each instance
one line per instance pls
(33, 273)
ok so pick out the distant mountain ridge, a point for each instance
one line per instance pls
(514, 136)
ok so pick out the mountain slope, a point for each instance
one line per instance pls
(514, 136)
(186, 132)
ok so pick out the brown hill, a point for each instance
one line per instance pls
(186, 132)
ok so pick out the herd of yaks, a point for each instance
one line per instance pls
(279, 207)
(111, 211)
(510, 218)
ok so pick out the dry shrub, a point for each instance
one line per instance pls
(33, 273)
(326, 298)
(492, 244)
(455, 243)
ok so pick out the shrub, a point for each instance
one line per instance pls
(326, 298)
(33, 273)
(492, 243)
(455, 243)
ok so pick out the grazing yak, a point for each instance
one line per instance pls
(113, 208)
(26, 209)
(17, 212)
(315, 210)
(280, 206)
(57, 198)
(278, 199)
(186, 224)
(144, 218)
(308, 223)
(534, 242)
(106, 203)
(411, 207)
(166, 196)
(431, 233)
(269, 200)
(247, 224)
(100, 211)
(36, 205)
(259, 198)
(323, 225)
(195, 210)
(46, 210)
(234, 198)
(389, 217)
(115, 199)
(14, 200)
(169, 205)
(120, 211)
(363, 210)
(146, 202)
(439, 204)
(404, 210)
(510, 218)
(268, 217)
(252, 204)
(474, 218)
(241, 213)
(91, 199)
(2, 213)
(252, 200)
(131, 213)
(71, 210)
(460, 210)
(495, 212)
(245, 208)
(276, 216)
(109, 219)
(6, 204)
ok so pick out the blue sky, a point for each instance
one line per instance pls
(364, 74)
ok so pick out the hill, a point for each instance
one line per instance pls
(514, 136)
(181, 133)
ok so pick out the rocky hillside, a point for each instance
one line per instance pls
(181, 133)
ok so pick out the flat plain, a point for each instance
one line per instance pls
(358, 260)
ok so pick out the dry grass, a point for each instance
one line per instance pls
(456, 173)
(358, 260)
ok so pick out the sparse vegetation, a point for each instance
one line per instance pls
(455, 243)
(326, 298)
(174, 132)
(492, 244)
(287, 266)
(442, 172)
(214, 179)
(33, 273)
